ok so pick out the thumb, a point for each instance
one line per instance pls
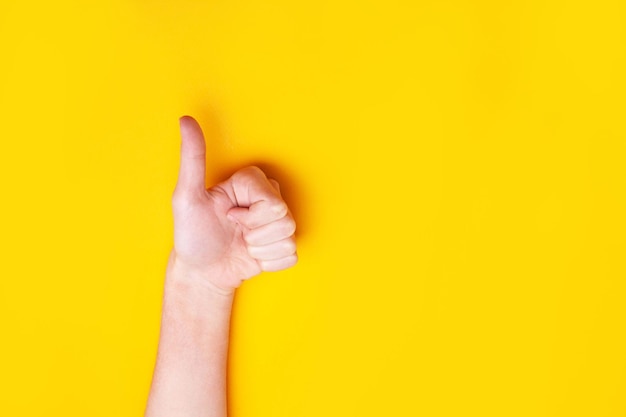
(192, 156)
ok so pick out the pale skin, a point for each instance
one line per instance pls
(223, 235)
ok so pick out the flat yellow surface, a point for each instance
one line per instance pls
(457, 170)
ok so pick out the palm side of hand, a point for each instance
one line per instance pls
(233, 230)
(207, 242)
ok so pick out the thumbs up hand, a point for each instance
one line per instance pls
(231, 231)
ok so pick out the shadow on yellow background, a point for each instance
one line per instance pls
(456, 169)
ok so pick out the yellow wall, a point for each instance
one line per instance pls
(457, 169)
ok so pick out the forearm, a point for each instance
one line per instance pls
(190, 373)
(240, 228)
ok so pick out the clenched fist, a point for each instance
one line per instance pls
(231, 231)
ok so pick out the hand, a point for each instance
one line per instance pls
(231, 231)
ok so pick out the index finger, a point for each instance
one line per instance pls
(258, 200)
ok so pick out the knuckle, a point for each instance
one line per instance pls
(253, 169)
(249, 173)
(289, 246)
(289, 227)
(280, 209)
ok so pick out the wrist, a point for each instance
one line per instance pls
(183, 277)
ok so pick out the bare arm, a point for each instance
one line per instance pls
(222, 236)
(189, 377)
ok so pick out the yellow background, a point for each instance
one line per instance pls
(456, 168)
